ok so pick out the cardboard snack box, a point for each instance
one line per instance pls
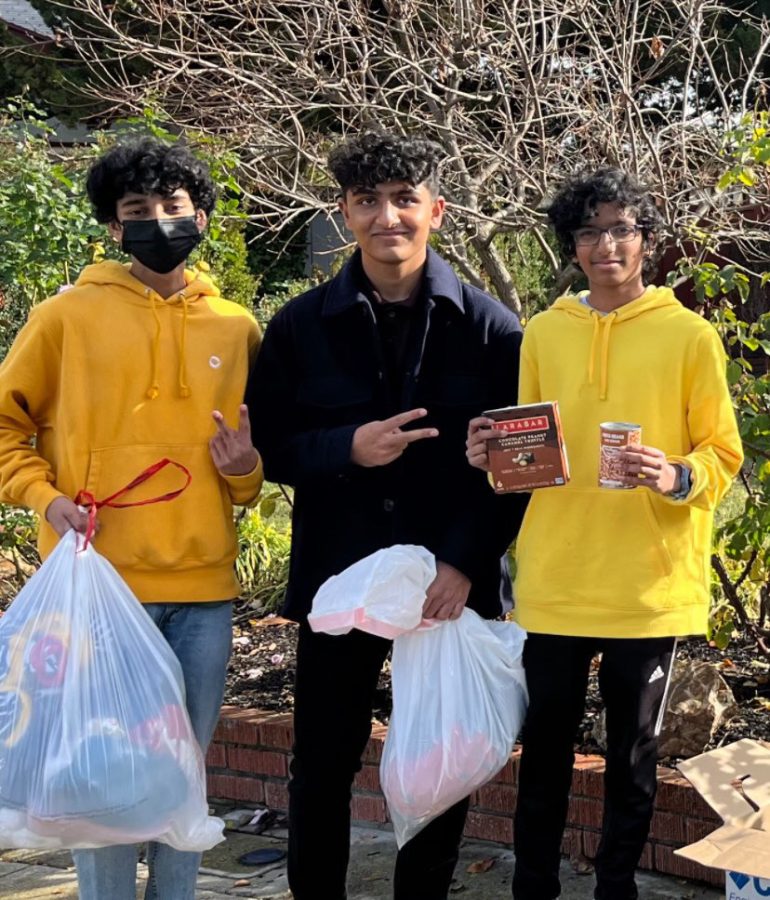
(735, 781)
(530, 451)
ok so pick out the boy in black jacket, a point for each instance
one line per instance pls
(360, 399)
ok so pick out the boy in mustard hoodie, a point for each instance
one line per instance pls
(619, 572)
(133, 364)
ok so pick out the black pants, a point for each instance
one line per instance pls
(633, 678)
(336, 681)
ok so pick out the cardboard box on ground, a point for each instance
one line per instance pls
(735, 782)
(745, 887)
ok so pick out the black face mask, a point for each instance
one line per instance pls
(160, 244)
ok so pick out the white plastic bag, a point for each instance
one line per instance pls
(96, 746)
(459, 697)
(383, 593)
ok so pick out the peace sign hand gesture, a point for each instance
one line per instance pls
(231, 449)
(380, 442)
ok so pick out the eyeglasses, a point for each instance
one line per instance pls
(620, 234)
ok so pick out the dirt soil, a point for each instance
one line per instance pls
(262, 674)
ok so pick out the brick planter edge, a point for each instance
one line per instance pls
(248, 762)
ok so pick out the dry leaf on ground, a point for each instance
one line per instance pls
(481, 865)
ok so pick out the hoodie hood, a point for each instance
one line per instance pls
(112, 274)
(602, 324)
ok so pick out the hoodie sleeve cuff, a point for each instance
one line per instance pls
(244, 489)
(40, 495)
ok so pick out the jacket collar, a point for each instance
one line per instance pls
(345, 289)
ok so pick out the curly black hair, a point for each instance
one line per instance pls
(571, 206)
(377, 157)
(148, 166)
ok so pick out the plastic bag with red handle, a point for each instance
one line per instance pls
(96, 746)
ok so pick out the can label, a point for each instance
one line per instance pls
(614, 437)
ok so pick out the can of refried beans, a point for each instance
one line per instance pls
(614, 437)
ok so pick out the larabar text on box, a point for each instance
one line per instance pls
(530, 451)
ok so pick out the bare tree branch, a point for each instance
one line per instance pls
(519, 94)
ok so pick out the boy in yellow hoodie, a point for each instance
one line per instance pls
(133, 364)
(620, 572)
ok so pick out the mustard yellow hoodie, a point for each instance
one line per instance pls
(625, 563)
(109, 377)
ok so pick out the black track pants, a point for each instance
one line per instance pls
(633, 678)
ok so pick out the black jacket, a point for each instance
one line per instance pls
(319, 375)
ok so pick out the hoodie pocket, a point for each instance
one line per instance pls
(195, 529)
(604, 546)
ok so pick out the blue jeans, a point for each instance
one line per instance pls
(200, 634)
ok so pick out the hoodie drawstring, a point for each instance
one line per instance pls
(603, 323)
(579, 308)
(592, 351)
(184, 388)
(112, 276)
(154, 389)
(607, 325)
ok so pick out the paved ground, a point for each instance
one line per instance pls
(28, 875)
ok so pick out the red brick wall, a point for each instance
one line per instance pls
(248, 762)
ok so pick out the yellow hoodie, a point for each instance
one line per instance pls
(109, 377)
(625, 563)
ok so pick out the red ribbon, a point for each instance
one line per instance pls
(86, 498)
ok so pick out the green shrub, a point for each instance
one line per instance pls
(264, 540)
(45, 218)
(269, 304)
(18, 530)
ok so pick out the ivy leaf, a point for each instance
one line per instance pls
(734, 372)
(725, 181)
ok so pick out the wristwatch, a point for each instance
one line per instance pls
(685, 483)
